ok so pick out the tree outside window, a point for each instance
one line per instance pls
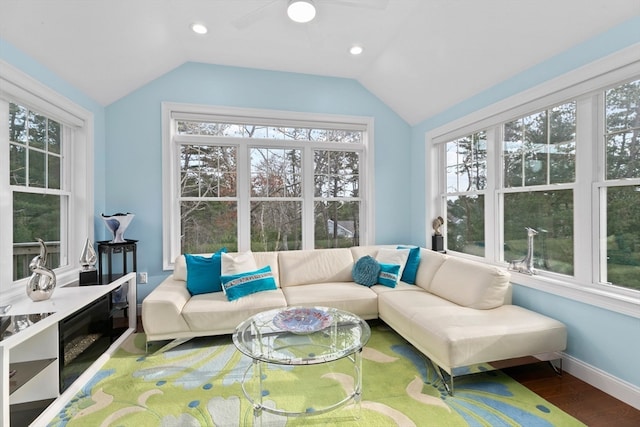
(289, 200)
(622, 145)
(35, 168)
(466, 182)
(538, 158)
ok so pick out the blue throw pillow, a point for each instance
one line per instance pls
(365, 271)
(389, 275)
(203, 273)
(411, 267)
(243, 284)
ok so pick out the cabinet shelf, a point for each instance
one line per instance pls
(24, 371)
(33, 344)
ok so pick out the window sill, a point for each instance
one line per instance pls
(620, 301)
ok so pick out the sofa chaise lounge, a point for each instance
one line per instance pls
(457, 313)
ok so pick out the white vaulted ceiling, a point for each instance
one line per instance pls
(420, 56)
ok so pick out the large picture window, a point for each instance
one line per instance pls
(570, 170)
(263, 181)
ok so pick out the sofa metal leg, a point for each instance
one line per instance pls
(448, 386)
(176, 342)
(443, 375)
(557, 368)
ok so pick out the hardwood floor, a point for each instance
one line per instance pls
(588, 404)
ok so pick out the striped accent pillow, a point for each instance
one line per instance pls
(243, 284)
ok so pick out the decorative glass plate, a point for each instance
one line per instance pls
(302, 320)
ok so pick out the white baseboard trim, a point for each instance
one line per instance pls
(620, 389)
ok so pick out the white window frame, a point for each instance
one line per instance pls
(584, 85)
(171, 166)
(77, 180)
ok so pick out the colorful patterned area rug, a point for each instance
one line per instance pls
(199, 384)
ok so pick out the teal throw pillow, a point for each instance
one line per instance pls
(243, 284)
(411, 267)
(203, 273)
(389, 275)
(365, 271)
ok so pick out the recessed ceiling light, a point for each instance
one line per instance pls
(356, 50)
(199, 28)
(301, 10)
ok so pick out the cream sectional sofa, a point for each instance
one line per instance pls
(457, 313)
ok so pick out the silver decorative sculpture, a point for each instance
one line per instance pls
(525, 265)
(88, 257)
(117, 223)
(88, 274)
(42, 282)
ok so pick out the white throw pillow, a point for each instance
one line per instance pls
(393, 256)
(238, 263)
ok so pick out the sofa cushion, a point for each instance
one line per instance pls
(459, 336)
(430, 262)
(365, 271)
(470, 284)
(214, 314)
(411, 267)
(315, 266)
(203, 273)
(243, 284)
(393, 256)
(235, 263)
(372, 250)
(389, 275)
(398, 308)
(348, 296)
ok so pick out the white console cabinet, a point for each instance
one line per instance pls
(29, 353)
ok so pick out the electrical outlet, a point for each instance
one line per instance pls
(142, 277)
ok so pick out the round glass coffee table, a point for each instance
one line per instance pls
(300, 336)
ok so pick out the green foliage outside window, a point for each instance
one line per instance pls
(35, 168)
(622, 137)
(209, 190)
(550, 213)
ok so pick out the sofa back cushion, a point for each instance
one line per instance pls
(471, 284)
(270, 259)
(372, 250)
(430, 262)
(315, 266)
(180, 267)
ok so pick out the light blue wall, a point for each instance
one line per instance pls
(601, 338)
(134, 142)
(128, 173)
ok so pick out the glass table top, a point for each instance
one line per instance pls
(301, 335)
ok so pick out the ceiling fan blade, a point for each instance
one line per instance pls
(255, 15)
(368, 4)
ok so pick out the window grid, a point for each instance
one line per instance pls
(275, 174)
(562, 146)
(39, 200)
